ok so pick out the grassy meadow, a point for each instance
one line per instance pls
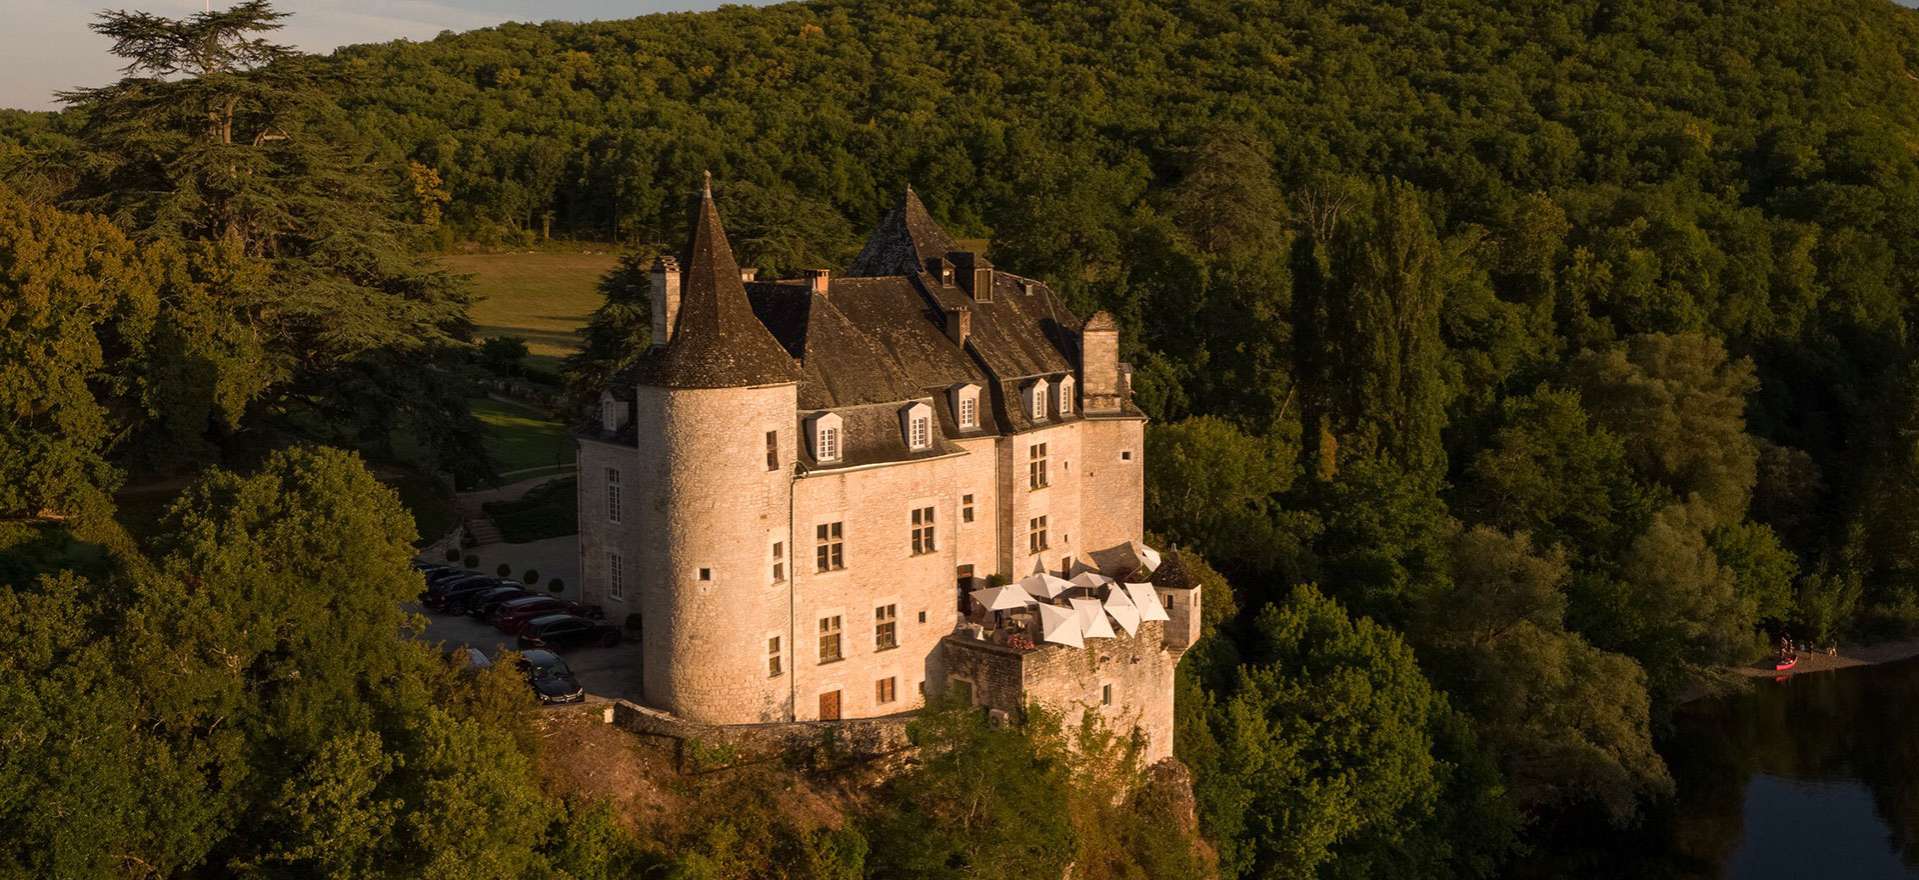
(539, 297)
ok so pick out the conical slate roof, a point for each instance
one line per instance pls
(717, 342)
(906, 237)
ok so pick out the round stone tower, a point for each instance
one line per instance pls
(714, 417)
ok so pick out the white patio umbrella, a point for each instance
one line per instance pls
(1147, 555)
(1044, 585)
(1060, 626)
(1092, 619)
(1002, 598)
(1120, 607)
(1091, 580)
(1146, 599)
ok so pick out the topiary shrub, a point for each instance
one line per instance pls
(555, 586)
(504, 570)
(453, 554)
(531, 577)
(471, 561)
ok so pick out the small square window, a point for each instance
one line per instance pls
(706, 574)
(1126, 455)
(883, 691)
(922, 617)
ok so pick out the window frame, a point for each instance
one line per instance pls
(775, 658)
(614, 502)
(925, 539)
(829, 547)
(886, 690)
(1037, 475)
(886, 627)
(834, 632)
(773, 450)
(1037, 539)
(615, 583)
(779, 562)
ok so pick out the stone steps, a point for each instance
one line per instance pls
(482, 530)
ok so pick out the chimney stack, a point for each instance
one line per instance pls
(666, 299)
(1101, 380)
(818, 280)
(959, 325)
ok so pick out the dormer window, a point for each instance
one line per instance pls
(612, 413)
(1066, 396)
(916, 422)
(966, 406)
(827, 437)
(1036, 399)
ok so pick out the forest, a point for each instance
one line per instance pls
(1518, 365)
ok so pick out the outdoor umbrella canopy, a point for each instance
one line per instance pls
(1002, 598)
(1092, 619)
(1147, 555)
(1146, 599)
(1091, 580)
(1044, 585)
(1123, 611)
(1059, 626)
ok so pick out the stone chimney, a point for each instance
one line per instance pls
(1099, 369)
(959, 325)
(666, 299)
(818, 281)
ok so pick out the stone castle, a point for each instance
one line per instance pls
(822, 496)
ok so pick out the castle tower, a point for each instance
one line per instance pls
(713, 420)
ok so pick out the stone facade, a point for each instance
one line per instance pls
(775, 582)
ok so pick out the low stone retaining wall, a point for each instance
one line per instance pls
(699, 748)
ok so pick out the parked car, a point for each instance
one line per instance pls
(464, 602)
(448, 599)
(437, 588)
(552, 680)
(483, 606)
(558, 632)
(449, 573)
(509, 616)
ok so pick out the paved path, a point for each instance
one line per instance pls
(470, 502)
(552, 558)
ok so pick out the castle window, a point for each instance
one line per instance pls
(779, 561)
(1036, 534)
(886, 627)
(607, 417)
(1106, 695)
(826, 437)
(772, 450)
(774, 666)
(1036, 466)
(1036, 399)
(966, 508)
(615, 584)
(923, 531)
(830, 639)
(916, 423)
(883, 690)
(1066, 396)
(612, 494)
(829, 551)
(706, 574)
(1126, 455)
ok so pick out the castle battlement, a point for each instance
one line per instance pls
(802, 484)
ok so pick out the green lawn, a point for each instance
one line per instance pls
(549, 511)
(539, 297)
(521, 437)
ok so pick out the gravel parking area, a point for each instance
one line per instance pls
(609, 673)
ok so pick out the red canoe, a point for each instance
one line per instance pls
(1788, 663)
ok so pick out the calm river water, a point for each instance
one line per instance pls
(1813, 777)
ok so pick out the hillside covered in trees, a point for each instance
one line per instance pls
(1519, 364)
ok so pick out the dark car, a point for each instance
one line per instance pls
(552, 681)
(483, 606)
(450, 597)
(558, 632)
(441, 576)
(438, 587)
(463, 602)
(510, 616)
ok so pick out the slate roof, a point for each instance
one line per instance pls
(717, 342)
(903, 241)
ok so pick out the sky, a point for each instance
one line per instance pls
(45, 45)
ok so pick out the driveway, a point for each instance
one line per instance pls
(609, 673)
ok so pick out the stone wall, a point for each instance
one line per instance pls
(1071, 681)
(698, 747)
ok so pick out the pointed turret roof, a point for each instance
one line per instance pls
(717, 342)
(906, 237)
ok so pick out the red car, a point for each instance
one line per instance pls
(510, 617)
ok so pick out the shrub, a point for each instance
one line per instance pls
(504, 570)
(453, 554)
(503, 355)
(471, 561)
(531, 577)
(555, 586)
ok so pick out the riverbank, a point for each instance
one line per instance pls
(1848, 657)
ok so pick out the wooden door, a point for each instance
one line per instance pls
(830, 706)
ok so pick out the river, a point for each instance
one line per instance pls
(1816, 776)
